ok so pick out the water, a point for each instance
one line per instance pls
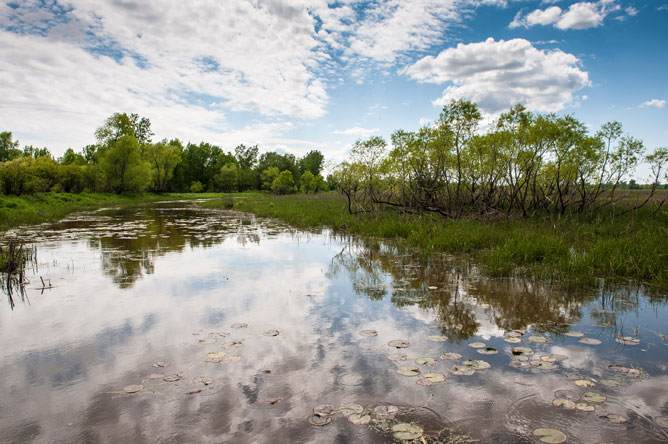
(133, 289)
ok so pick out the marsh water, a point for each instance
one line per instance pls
(171, 323)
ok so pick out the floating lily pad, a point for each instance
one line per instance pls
(407, 370)
(574, 334)
(526, 351)
(520, 364)
(617, 419)
(610, 383)
(232, 358)
(214, 355)
(359, 418)
(514, 333)
(406, 431)
(628, 340)
(584, 407)
(589, 341)
(161, 364)
(193, 391)
(450, 356)
(207, 341)
(134, 388)
(369, 333)
(350, 409)
(594, 397)
(425, 361)
(477, 344)
(542, 365)
(477, 364)
(521, 358)
(203, 380)
(461, 370)
(233, 344)
(662, 421)
(550, 436)
(487, 351)
(567, 394)
(438, 338)
(239, 325)
(398, 343)
(434, 378)
(324, 410)
(386, 410)
(554, 358)
(512, 340)
(318, 420)
(271, 333)
(564, 403)
(397, 357)
(538, 339)
(585, 383)
(156, 376)
(172, 378)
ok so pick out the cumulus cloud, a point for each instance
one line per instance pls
(581, 15)
(654, 103)
(498, 74)
(357, 131)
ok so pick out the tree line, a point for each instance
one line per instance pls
(524, 164)
(125, 159)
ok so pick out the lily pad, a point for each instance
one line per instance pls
(437, 338)
(520, 358)
(514, 333)
(450, 356)
(434, 378)
(477, 344)
(350, 409)
(542, 365)
(589, 341)
(359, 419)
(406, 432)
(203, 380)
(487, 351)
(386, 410)
(565, 403)
(574, 334)
(134, 388)
(526, 351)
(538, 339)
(584, 407)
(554, 358)
(369, 333)
(407, 370)
(397, 357)
(214, 355)
(233, 344)
(239, 325)
(512, 340)
(610, 383)
(161, 364)
(567, 394)
(628, 340)
(271, 333)
(461, 370)
(324, 410)
(477, 364)
(585, 383)
(398, 343)
(207, 341)
(425, 361)
(318, 420)
(594, 397)
(520, 364)
(617, 419)
(550, 436)
(172, 378)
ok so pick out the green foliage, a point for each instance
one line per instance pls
(283, 184)
(268, 176)
(122, 168)
(228, 177)
(197, 187)
(163, 158)
(9, 149)
(312, 161)
(119, 125)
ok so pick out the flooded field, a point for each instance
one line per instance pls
(174, 324)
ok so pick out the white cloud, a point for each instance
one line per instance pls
(357, 131)
(655, 103)
(499, 74)
(580, 15)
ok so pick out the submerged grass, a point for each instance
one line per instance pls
(573, 250)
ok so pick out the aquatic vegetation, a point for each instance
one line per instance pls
(134, 388)
(550, 436)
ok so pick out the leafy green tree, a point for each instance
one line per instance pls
(163, 158)
(268, 176)
(122, 167)
(72, 158)
(120, 124)
(284, 183)
(308, 183)
(312, 161)
(196, 187)
(228, 177)
(31, 151)
(9, 149)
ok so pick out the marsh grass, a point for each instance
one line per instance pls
(573, 250)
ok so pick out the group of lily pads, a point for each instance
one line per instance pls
(212, 357)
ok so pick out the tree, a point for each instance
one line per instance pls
(120, 124)
(312, 162)
(9, 149)
(163, 159)
(307, 182)
(122, 167)
(72, 158)
(284, 183)
(268, 176)
(228, 177)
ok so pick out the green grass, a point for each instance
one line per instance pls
(572, 250)
(34, 209)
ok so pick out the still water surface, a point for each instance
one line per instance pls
(146, 299)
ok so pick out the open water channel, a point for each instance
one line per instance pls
(170, 323)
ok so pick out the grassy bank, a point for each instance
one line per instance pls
(34, 209)
(572, 250)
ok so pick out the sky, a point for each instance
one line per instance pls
(296, 75)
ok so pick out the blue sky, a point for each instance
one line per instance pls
(314, 74)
